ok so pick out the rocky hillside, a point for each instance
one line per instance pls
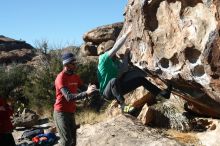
(14, 51)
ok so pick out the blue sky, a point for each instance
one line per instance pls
(58, 21)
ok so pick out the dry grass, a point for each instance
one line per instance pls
(44, 112)
(186, 138)
(89, 117)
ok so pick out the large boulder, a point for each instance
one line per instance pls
(103, 33)
(89, 49)
(179, 42)
(122, 131)
(100, 39)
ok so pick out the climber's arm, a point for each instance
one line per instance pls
(119, 43)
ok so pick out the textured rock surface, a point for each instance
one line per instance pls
(179, 41)
(103, 33)
(211, 136)
(100, 39)
(89, 49)
(121, 131)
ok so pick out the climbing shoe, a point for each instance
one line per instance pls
(128, 109)
(164, 94)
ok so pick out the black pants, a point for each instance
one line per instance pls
(117, 87)
(7, 139)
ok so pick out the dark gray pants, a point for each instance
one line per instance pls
(129, 81)
(66, 126)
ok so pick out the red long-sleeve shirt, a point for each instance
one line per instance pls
(5, 113)
(72, 82)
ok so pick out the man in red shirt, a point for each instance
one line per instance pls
(6, 128)
(66, 84)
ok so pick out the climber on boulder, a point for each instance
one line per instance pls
(115, 80)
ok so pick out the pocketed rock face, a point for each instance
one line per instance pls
(179, 41)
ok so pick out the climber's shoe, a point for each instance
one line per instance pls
(128, 109)
(164, 94)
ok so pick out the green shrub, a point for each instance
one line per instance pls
(39, 87)
(12, 78)
(87, 72)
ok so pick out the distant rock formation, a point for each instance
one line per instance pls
(14, 51)
(100, 38)
(178, 41)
